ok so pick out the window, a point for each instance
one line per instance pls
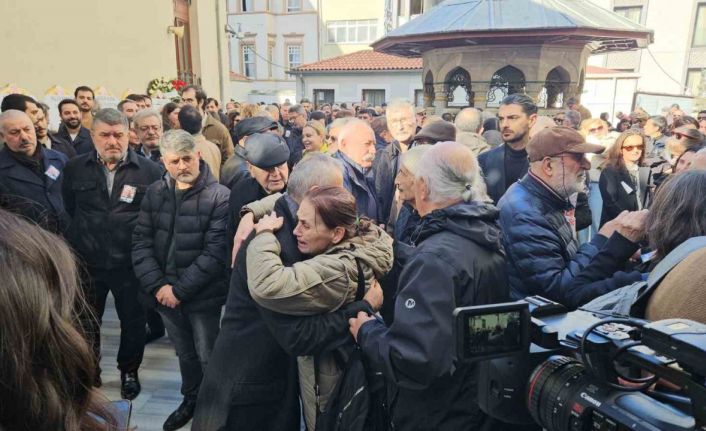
(270, 56)
(249, 61)
(294, 5)
(374, 97)
(360, 31)
(416, 7)
(247, 5)
(294, 56)
(323, 96)
(633, 13)
(693, 81)
(700, 27)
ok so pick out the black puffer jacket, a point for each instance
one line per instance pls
(200, 229)
(458, 261)
(101, 225)
(385, 168)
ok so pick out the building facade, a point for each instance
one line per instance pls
(673, 64)
(114, 46)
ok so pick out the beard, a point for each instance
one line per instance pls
(73, 123)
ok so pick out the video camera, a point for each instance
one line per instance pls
(584, 370)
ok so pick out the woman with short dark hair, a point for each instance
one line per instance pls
(623, 183)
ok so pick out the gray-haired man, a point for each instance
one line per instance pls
(102, 192)
(179, 255)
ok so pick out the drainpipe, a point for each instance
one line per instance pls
(219, 33)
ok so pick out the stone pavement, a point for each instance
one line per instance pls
(159, 375)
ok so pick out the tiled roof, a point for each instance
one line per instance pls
(238, 77)
(362, 60)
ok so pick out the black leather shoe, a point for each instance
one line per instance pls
(181, 416)
(151, 336)
(130, 387)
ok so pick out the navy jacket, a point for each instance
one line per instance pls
(101, 226)
(62, 146)
(296, 148)
(385, 167)
(360, 185)
(25, 193)
(430, 390)
(492, 163)
(544, 257)
(83, 143)
(200, 230)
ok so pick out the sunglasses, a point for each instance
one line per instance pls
(629, 148)
(702, 117)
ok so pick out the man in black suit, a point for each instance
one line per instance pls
(71, 129)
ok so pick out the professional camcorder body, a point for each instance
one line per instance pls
(584, 370)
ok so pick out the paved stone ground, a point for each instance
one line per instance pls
(159, 375)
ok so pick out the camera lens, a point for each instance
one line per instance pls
(552, 386)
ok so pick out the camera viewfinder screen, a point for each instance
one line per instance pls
(494, 333)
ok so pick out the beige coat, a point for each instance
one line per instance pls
(217, 133)
(318, 285)
(210, 154)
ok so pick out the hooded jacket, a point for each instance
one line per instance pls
(458, 261)
(318, 285)
(200, 230)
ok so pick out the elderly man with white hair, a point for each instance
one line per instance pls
(469, 126)
(402, 124)
(356, 151)
(458, 261)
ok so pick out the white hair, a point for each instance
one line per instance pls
(144, 114)
(468, 120)
(451, 173)
(400, 105)
(314, 170)
(410, 159)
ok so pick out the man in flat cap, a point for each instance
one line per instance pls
(438, 131)
(235, 167)
(539, 227)
(266, 163)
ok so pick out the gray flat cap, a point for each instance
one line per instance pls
(266, 150)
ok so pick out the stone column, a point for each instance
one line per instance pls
(440, 98)
(481, 93)
(533, 89)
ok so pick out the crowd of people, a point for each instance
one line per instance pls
(273, 242)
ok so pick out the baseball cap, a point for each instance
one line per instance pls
(553, 141)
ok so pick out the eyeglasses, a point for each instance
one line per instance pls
(597, 129)
(629, 148)
(702, 117)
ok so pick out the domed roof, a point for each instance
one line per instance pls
(522, 22)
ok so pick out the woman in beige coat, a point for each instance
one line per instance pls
(329, 231)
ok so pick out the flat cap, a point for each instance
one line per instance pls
(248, 126)
(553, 141)
(438, 131)
(265, 150)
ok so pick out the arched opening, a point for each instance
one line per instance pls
(557, 86)
(506, 81)
(458, 88)
(429, 89)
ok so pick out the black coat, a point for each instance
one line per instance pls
(200, 231)
(234, 168)
(101, 226)
(243, 192)
(251, 379)
(544, 258)
(431, 391)
(296, 148)
(616, 198)
(83, 142)
(61, 145)
(36, 197)
(385, 167)
(492, 163)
